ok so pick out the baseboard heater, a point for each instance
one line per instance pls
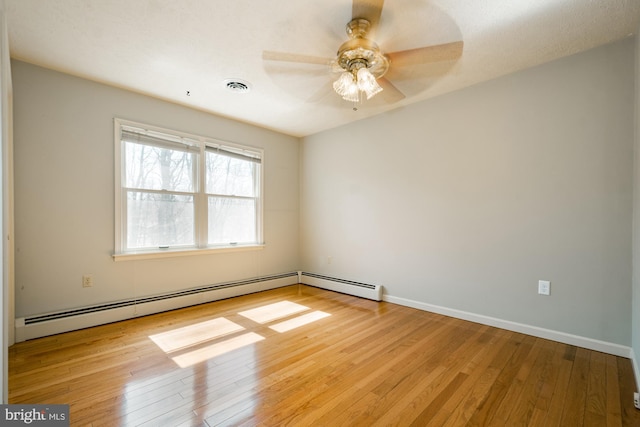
(64, 321)
(363, 290)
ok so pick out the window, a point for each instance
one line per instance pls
(178, 192)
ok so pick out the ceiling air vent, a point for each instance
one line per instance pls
(237, 85)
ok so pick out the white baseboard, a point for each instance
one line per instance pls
(579, 341)
(27, 328)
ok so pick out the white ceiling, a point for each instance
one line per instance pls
(165, 48)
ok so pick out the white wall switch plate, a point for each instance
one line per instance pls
(636, 400)
(544, 287)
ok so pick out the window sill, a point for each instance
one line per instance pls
(172, 253)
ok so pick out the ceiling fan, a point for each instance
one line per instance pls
(363, 69)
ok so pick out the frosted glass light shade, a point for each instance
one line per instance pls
(367, 83)
(346, 87)
(349, 85)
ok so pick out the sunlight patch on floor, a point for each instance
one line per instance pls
(205, 353)
(198, 333)
(189, 345)
(270, 312)
(296, 322)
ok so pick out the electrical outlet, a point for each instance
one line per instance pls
(636, 400)
(87, 281)
(544, 287)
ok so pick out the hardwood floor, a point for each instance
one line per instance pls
(302, 356)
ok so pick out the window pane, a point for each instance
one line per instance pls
(172, 186)
(230, 176)
(158, 168)
(232, 220)
(155, 220)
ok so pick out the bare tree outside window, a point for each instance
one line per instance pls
(164, 216)
(231, 191)
(170, 201)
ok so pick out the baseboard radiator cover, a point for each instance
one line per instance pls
(358, 289)
(64, 321)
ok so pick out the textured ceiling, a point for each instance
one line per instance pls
(165, 48)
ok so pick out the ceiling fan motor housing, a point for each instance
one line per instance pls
(361, 52)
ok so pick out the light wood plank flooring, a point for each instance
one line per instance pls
(302, 356)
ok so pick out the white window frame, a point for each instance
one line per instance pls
(200, 196)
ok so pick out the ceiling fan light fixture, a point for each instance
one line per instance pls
(351, 83)
(346, 86)
(359, 67)
(367, 83)
(362, 62)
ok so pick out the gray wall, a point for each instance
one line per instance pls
(64, 186)
(463, 201)
(467, 200)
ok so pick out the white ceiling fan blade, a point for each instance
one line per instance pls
(390, 93)
(369, 10)
(294, 57)
(321, 95)
(423, 55)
